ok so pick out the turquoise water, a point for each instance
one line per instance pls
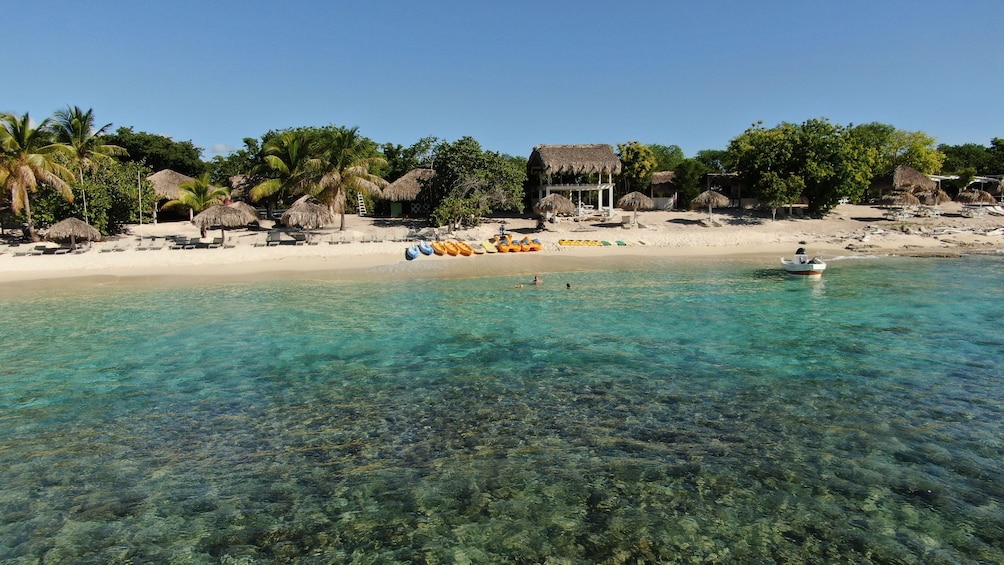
(677, 411)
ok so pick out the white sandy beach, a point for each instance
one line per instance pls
(848, 230)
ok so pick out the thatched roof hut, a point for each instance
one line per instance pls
(598, 158)
(662, 183)
(166, 183)
(406, 188)
(904, 178)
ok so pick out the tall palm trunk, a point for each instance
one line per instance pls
(32, 234)
(83, 193)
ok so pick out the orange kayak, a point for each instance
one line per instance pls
(438, 248)
(464, 249)
(451, 248)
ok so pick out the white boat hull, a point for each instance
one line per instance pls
(813, 268)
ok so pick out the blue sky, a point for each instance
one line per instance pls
(510, 74)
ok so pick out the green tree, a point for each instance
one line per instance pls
(716, 160)
(75, 128)
(115, 192)
(667, 156)
(894, 147)
(402, 159)
(196, 195)
(293, 169)
(996, 151)
(159, 152)
(687, 179)
(825, 160)
(637, 164)
(243, 161)
(776, 191)
(346, 161)
(982, 159)
(470, 183)
(28, 156)
(966, 156)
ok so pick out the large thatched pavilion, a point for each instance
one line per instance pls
(166, 185)
(575, 169)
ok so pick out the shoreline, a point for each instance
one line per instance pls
(849, 230)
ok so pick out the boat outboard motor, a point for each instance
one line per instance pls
(800, 256)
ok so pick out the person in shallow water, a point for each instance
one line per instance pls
(536, 280)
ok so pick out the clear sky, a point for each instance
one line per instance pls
(512, 74)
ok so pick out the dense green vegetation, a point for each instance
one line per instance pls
(68, 166)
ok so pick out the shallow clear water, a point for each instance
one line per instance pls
(679, 411)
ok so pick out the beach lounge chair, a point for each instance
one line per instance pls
(82, 248)
(216, 243)
(274, 238)
(299, 238)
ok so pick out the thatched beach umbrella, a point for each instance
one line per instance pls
(247, 208)
(901, 199)
(976, 197)
(308, 213)
(711, 199)
(406, 188)
(934, 197)
(554, 204)
(73, 229)
(225, 217)
(636, 201)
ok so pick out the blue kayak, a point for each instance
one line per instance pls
(411, 252)
(425, 247)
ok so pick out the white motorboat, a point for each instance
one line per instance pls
(802, 266)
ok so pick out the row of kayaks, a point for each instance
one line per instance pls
(594, 243)
(464, 249)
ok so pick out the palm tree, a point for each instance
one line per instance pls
(288, 157)
(27, 158)
(347, 159)
(75, 128)
(198, 194)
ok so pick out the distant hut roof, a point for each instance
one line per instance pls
(166, 182)
(905, 178)
(575, 159)
(407, 187)
(662, 177)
